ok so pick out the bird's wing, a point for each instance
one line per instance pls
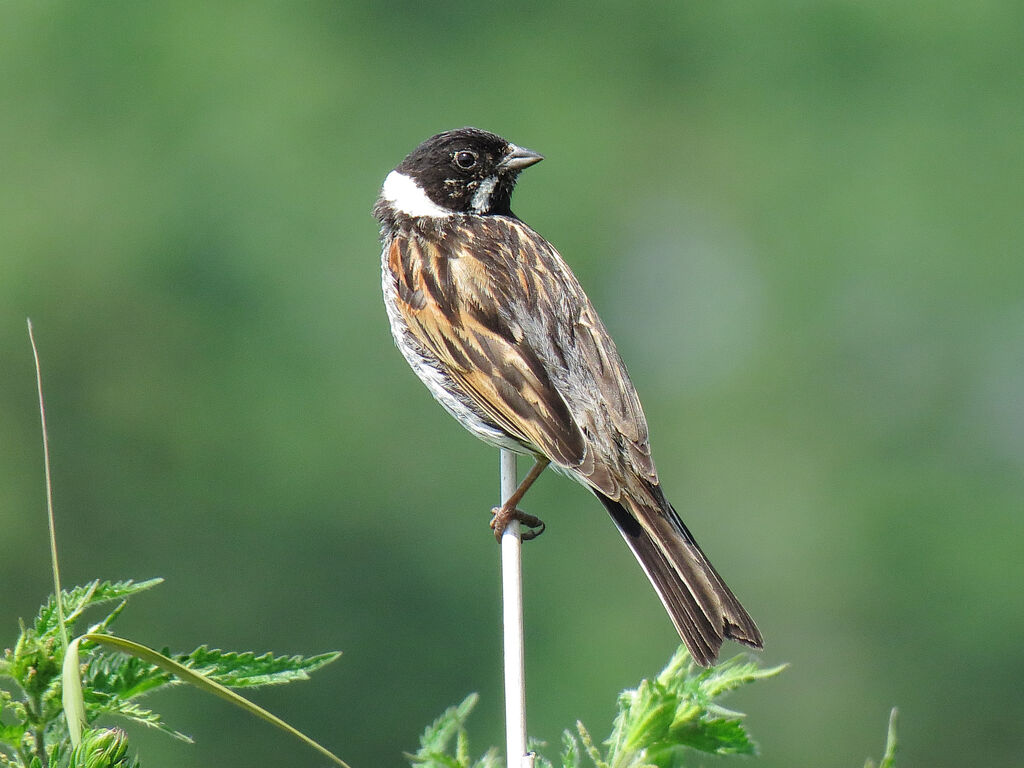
(501, 311)
(445, 293)
(618, 415)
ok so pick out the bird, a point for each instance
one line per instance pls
(493, 321)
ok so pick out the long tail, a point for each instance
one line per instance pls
(703, 609)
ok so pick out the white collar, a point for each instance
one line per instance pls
(408, 197)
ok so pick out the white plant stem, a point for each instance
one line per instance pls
(512, 614)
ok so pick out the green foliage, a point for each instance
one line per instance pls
(658, 725)
(677, 710)
(891, 745)
(104, 748)
(123, 676)
(247, 670)
(434, 743)
(90, 595)
(33, 728)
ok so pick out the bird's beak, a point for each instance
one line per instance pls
(518, 158)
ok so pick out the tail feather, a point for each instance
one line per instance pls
(703, 609)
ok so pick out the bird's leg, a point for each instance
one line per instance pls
(507, 512)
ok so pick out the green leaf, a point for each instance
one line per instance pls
(121, 675)
(125, 676)
(718, 737)
(676, 710)
(98, 704)
(78, 599)
(34, 662)
(202, 682)
(12, 734)
(658, 725)
(652, 716)
(733, 674)
(434, 751)
(436, 737)
(462, 747)
(247, 670)
(570, 755)
(891, 744)
(105, 748)
(589, 746)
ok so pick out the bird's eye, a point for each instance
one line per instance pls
(465, 159)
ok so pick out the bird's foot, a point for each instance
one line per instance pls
(502, 517)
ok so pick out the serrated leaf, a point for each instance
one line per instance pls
(126, 676)
(78, 599)
(570, 755)
(247, 670)
(588, 745)
(658, 723)
(687, 711)
(74, 601)
(202, 682)
(717, 737)
(119, 674)
(650, 724)
(434, 751)
(437, 735)
(132, 711)
(678, 709)
(733, 674)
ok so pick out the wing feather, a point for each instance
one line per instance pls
(455, 317)
(509, 322)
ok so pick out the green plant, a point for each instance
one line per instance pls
(891, 745)
(45, 719)
(52, 698)
(662, 723)
(36, 726)
(659, 723)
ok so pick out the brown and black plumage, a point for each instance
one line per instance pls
(496, 325)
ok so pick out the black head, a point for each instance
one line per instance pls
(468, 170)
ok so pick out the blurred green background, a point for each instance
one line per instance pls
(802, 222)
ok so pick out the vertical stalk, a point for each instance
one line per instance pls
(57, 594)
(512, 616)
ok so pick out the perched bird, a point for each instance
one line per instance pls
(496, 325)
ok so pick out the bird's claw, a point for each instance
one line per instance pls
(502, 517)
